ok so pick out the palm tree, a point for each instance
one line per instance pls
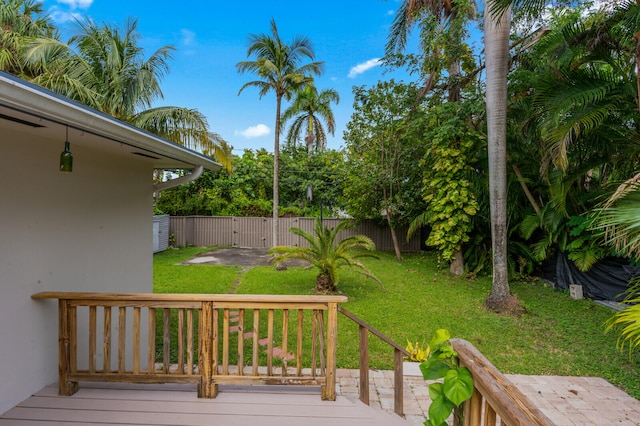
(222, 152)
(496, 41)
(22, 21)
(307, 109)
(442, 34)
(587, 101)
(104, 67)
(327, 255)
(278, 66)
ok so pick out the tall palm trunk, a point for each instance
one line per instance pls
(310, 139)
(276, 171)
(496, 39)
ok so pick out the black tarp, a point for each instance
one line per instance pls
(608, 279)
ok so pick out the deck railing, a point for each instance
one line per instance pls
(398, 358)
(203, 339)
(224, 339)
(495, 400)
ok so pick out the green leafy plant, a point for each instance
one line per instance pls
(328, 255)
(457, 386)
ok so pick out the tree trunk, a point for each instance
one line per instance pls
(457, 264)
(324, 284)
(276, 172)
(525, 188)
(496, 39)
(394, 238)
(637, 39)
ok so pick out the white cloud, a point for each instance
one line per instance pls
(76, 4)
(60, 17)
(188, 37)
(254, 131)
(65, 10)
(364, 66)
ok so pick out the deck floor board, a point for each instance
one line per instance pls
(123, 405)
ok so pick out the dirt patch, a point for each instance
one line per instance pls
(511, 306)
(239, 257)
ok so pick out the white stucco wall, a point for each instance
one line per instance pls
(90, 230)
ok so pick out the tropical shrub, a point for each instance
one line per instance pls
(328, 255)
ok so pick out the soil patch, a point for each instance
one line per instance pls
(239, 257)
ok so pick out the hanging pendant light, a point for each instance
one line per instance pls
(66, 158)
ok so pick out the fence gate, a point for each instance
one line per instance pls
(254, 232)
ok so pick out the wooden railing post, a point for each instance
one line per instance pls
(66, 387)
(329, 388)
(472, 412)
(364, 364)
(398, 385)
(205, 361)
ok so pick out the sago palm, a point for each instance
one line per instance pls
(328, 255)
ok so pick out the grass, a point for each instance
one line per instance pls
(558, 335)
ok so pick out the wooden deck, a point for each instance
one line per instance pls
(124, 404)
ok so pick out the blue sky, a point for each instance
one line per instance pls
(211, 38)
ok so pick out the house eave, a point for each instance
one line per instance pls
(19, 98)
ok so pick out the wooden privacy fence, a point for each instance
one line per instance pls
(197, 338)
(256, 232)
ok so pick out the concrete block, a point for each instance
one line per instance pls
(576, 291)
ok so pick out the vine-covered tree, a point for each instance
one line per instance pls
(447, 185)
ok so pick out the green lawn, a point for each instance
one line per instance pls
(558, 335)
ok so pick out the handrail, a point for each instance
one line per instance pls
(398, 353)
(186, 297)
(494, 396)
(494, 393)
(218, 323)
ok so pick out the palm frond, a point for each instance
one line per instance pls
(627, 321)
(619, 219)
